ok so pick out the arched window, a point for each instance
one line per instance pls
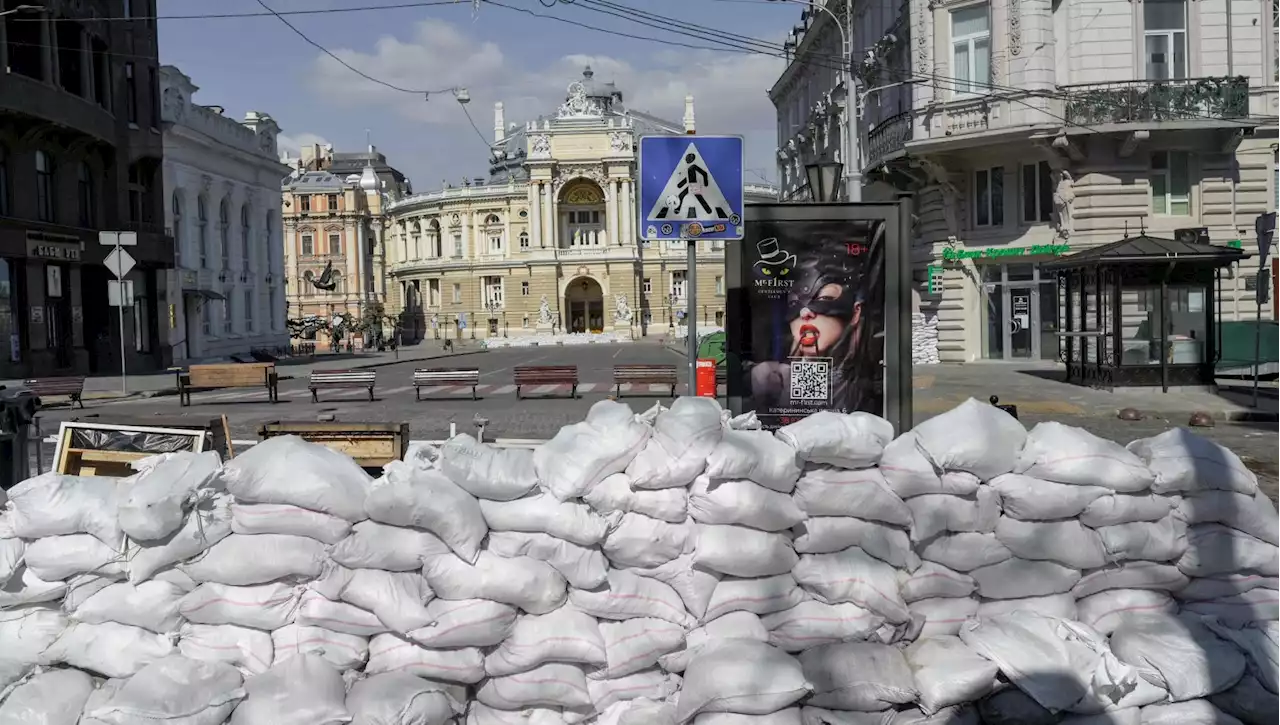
(524, 240)
(492, 219)
(416, 243)
(307, 288)
(433, 239)
(175, 208)
(339, 283)
(84, 194)
(44, 186)
(224, 232)
(245, 237)
(202, 221)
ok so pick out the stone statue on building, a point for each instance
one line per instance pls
(1063, 196)
(621, 310)
(540, 147)
(544, 312)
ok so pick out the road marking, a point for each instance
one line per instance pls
(501, 389)
(543, 389)
(530, 361)
(397, 390)
(588, 387)
(619, 351)
(433, 390)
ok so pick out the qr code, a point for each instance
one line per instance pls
(811, 380)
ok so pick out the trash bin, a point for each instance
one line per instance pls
(17, 412)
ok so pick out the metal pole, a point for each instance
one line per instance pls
(1257, 332)
(691, 302)
(124, 379)
(852, 161)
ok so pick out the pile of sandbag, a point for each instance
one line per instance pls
(672, 567)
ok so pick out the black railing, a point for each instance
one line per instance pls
(889, 136)
(1150, 101)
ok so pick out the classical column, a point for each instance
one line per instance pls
(535, 214)
(548, 215)
(629, 217)
(467, 249)
(507, 241)
(611, 211)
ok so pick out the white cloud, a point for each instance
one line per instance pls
(292, 144)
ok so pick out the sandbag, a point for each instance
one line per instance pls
(1028, 498)
(651, 684)
(789, 716)
(564, 635)
(583, 567)
(1067, 454)
(943, 616)
(636, 644)
(964, 552)
(289, 470)
(481, 714)
(582, 454)
(823, 491)
(372, 545)
(11, 552)
(742, 503)
(545, 514)
(554, 684)
(303, 690)
(755, 455)
(812, 624)
(1162, 540)
(760, 595)
(1195, 712)
(27, 632)
(54, 697)
(248, 650)
(1185, 462)
(343, 651)
(1178, 653)
(486, 472)
(266, 606)
(389, 653)
(244, 560)
(396, 698)
(855, 577)
(694, 586)
(208, 523)
(820, 716)
(946, 672)
(1019, 578)
(316, 610)
(53, 504)
(741, 551)
(1066, 542)
(847, 440)
(1224, 585)
(743, 676)
(935, 514)
(397, 599)
(975, 437)
(735, 625)
(79, 588)
(965, 714)
(828, 534)
(154, 501)
(628, 595)
(934, 580)
(55, 558)
(1254, 515)
(1011, 706)
(1105, 611)
(1061, 606)
(1215, 550)
(615, 493)
(1131, 575)
(1126, 508)
(465, 623)
(1256, 606)
(640, 541)
(1249, 701)
(175, 690)
(858, 676)
(151, 605)
(522, 582)
(683, 437)
(110, 649)
(279, 518)
(1259, 643)
(409, 496)
(908, 471)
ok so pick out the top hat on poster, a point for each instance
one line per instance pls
(771, 253)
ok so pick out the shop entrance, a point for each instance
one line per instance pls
(1021, 311)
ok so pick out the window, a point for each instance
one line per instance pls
(335, 244)
(131, 94)
(988, 197)
(137, 194)
(1037, 193)
(84, 194)
(226, 311)
(495, 243)
(584, 217)
(339, 284)
(457, 245)
(307, 288)
(245, 235)
(457, 294)
(332, 202)
(433, 292)
(224, 232)
(524, 289)
(678, 284)
(524, 240)
(155, 98)
(646, 286)
(1165, 39)
(206, 318)
(175, 202)
(719, 286)
(202, 219)
(304, 203)
(1171, 183)
(248, 310)
(4, 181)
(44, 186)
(971, 48)
(308, 245)
(493, 292)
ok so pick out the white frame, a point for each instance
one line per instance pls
(969, 40)
(1167, 173)
(494, 293)
(1170, 37)
(434, 295)
(646, 285)
(991, 198)
(329, 243)
(681, 290)
(524, 240)
(200, 435)
(458, 250)
(495, 242)
(456, 295)
(302, 245)
(524, 288)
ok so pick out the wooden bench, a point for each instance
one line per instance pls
(431, 377)
(227, 375)
(340, 379)
(72, 387)
(546, 375)
(644, 375)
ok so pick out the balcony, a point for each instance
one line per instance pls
(888, 138)
(1143, 101)
(573, 237)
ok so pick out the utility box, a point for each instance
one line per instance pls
(17, 413)
(372, 445)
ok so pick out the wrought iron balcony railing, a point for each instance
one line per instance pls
(1154, 101)
(889, 136)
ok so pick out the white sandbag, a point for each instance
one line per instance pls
(343, 651)
(1163, 540)
(1224, 585)
(740, 551)
(682, 439)
(372, 545)
(56, 558)
(1178, 653)
(1259, 642)
(1126, 508)
(1215, 550)
(1067, 454)
(551, 685)
(858, 676)
(828, 534)
(1019, 578)
(244, 560)
(395, 698)
(694, 586)
(1254, 515)
(847, 440)
(964, 552)
(942, 513)
(1011, 706)
(109, 649)
(1249, 701)
(1131, 575)
(947, 673)
(908, 471)
(564, 635)
(280, 518)
(397, 599)
(1066, 542)
(742, 676)
(742, 503)
(425, 499)
(1035, 499)
(615, 493)
(965, 714)
(302, 690)
(208, 523)
(481, 714)
(1195, 712)
(636, 644)
(651, 684)
(735, 625)
(823, 491)
(975, 437)
(820, 716)
(465, 623)
(175, 690)
(855, 577)
(316, 610)
(1105, 611)
(497, 474)
(267, 606)
(248, 650)
(639, 711)
(641, 541)
(545, 514)
(27, 631)
(389, 653)
(583, 567)
(755, 455)
(761, 595)
(151, 605)
(628, 595)
(1184, 462)
(1256, 606)
(935, 580)
(789, 716)
(80, 588)
(1100, 702)
(582, 454)
(11, 551)
(53, 697)
(154, 501)
(53, 504)
(289, 470)
(522, 582)
(812, 624)
(942, 617)
(1061, 606)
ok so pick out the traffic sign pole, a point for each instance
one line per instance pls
(691, 302)
(120, 263)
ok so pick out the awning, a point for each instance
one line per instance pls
(204, 294)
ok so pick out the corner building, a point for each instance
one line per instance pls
(555, 220)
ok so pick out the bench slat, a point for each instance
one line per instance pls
(546, 375)
(341, 379)
(70, 386)
(212, 376)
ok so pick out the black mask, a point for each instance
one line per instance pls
(810, 279)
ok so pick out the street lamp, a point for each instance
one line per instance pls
(824, 179)
(23, 9)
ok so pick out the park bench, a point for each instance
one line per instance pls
(340, 379)
(72, 387)
(546, 375)
(227, 375)
(432, 377)
(644, 375)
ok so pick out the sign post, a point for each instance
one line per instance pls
(120, 290)
(1265, 227)
(690, 189)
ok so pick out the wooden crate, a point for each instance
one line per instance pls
(371, 445)
(79, 458)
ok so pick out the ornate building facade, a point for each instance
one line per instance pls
(548, 242)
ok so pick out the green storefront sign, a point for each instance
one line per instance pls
(955, 254)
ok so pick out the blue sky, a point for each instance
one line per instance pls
(498, 54)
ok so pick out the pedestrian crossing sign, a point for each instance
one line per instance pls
(690, 187)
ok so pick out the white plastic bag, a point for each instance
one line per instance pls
(1162, 540)
(176, 691)
(55, 558)
(289, 470)
(1224, 585)
(811, 624)
(523, 582)
(862, 493)
(652, 684)
(966, 551)
(389, 653)
(934, 514)
(847, 440)
(694, 586)
(1214, 550)
(742, 503)
(633, 645)
(53, 504)
(1183, 462)
(545, 514)
(154, 501)
(267, 606)
(397, 599)
(1126, 508)
(640, 541)
(853, 576)
(942, 617)
(682, 439)
(27, 631)
(1034, 499)
(1131, 575)
(740, 551)
(762, 595)
(303, 690)
(1105, 611)
(554, 684)
(465, 623)
(1061, 606)
(615, 493)
(908, 471)
(372, 545)
(1254, 515)
(343, 651)
(789, 716)
(208, 523)
(395, 698)
(975, 437)
(1195, 712)
(110, 649)
(1258, 642)
(481, 714)
(583, 567)
(858, 676)
(281, 518)
(743, 676)
(248, 650)
(316, 610)
(1178, 653)
(54, 697)
(486, 472)
(934, 580)
(1256, 606)
(152, 605)
(1066, 542)
(736, 625)
(828, 534)
(627, 595)
(1019, 578)
(1067, 454)
(247, 559)
(582, 454)
(11, 551)
(948, 673)
(564, 635)
(755, 455)
(426, 499)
